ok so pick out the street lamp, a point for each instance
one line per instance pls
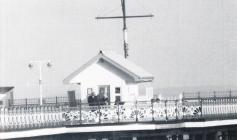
(40, 64)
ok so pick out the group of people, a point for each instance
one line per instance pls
(95, 100)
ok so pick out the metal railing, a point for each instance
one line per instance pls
(161, 111)
(211, 94)
(24, 118)
(16, 118)
(36, 101)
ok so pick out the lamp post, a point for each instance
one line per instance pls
(40, 64)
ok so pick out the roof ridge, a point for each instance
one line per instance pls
(138, 73)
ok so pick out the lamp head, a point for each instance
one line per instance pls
(30, 65)
(49, 65)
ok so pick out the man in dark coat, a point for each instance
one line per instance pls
(92, 99)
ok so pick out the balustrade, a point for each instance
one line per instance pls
(33, 117)
(167, 110)
(21, 118)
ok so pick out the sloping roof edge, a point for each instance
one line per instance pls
(80, 69)
(4, 90)
(136, 77)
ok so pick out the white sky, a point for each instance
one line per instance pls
(189, 43)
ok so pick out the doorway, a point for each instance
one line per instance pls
(71, 98)
(104, 94)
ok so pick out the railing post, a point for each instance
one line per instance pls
(183, 109)
(56, 100)
(118, 112)
(80, 111)
(230, 93)
(166, 110)
(214, 95)
(176, 109)
(4, 118)
(152, 110)
(201, 107)
(38, 102)
(26, 102)
(99, 113)
(199, 95)
(136, 111)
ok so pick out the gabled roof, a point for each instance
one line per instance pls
(4, 90)
(138, 73)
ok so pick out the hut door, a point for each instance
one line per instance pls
(71, 98)
(104, 94)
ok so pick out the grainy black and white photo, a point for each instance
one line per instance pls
(118, 70)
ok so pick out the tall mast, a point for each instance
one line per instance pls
(125, 39)
(124, 17)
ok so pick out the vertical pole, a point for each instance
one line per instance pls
(99, 113)
(118, 113)
(201, 109)
(125, 42)
(166, 110)
(26, 102)
(176, 109)
(80, 111)
(124, 29)
(40, 83)
(136, 112)
(4, 118)
(152, 109)
(183, 106)
(199, 95)
(56, 100)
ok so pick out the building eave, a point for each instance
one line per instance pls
(101, 55)
(77, 71)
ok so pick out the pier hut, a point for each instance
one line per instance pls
(6, 96)
(110, 76)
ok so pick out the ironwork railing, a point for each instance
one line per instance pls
(16, 118)
(210, 94)
(23, 118)
(36, 101)
(133, 112)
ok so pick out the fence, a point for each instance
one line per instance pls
(158, 111)
(22, 118)
(213, 94)
(36, 101)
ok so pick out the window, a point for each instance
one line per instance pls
(89, 91)
(117, 90)
(117, 99)
(1, 102)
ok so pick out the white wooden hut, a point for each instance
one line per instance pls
(110, 74)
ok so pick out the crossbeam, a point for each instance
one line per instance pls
(124, 17)
(136, 16)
